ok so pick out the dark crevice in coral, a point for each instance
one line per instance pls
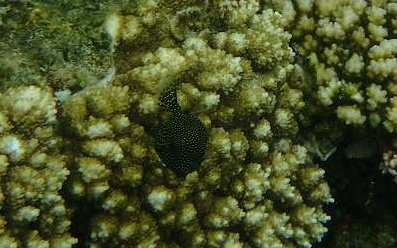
(84, 212)
(364, 213)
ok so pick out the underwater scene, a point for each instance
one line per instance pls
(198, 123)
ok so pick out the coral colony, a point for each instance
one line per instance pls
(223, 162)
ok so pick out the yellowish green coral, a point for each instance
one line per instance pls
(257, 187)
(232, 65)
(33, 170)
(351, 48)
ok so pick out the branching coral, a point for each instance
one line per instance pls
(33, 212)
(389, 163)
(231, 64)
(351, 48)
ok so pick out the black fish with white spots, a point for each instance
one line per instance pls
(181, 140)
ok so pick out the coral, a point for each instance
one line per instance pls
(232, 66)
(350, 48)
(389, 163)
(114, 153)
(90, 144)
(33, 212)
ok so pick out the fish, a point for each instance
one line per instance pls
(181, 140)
